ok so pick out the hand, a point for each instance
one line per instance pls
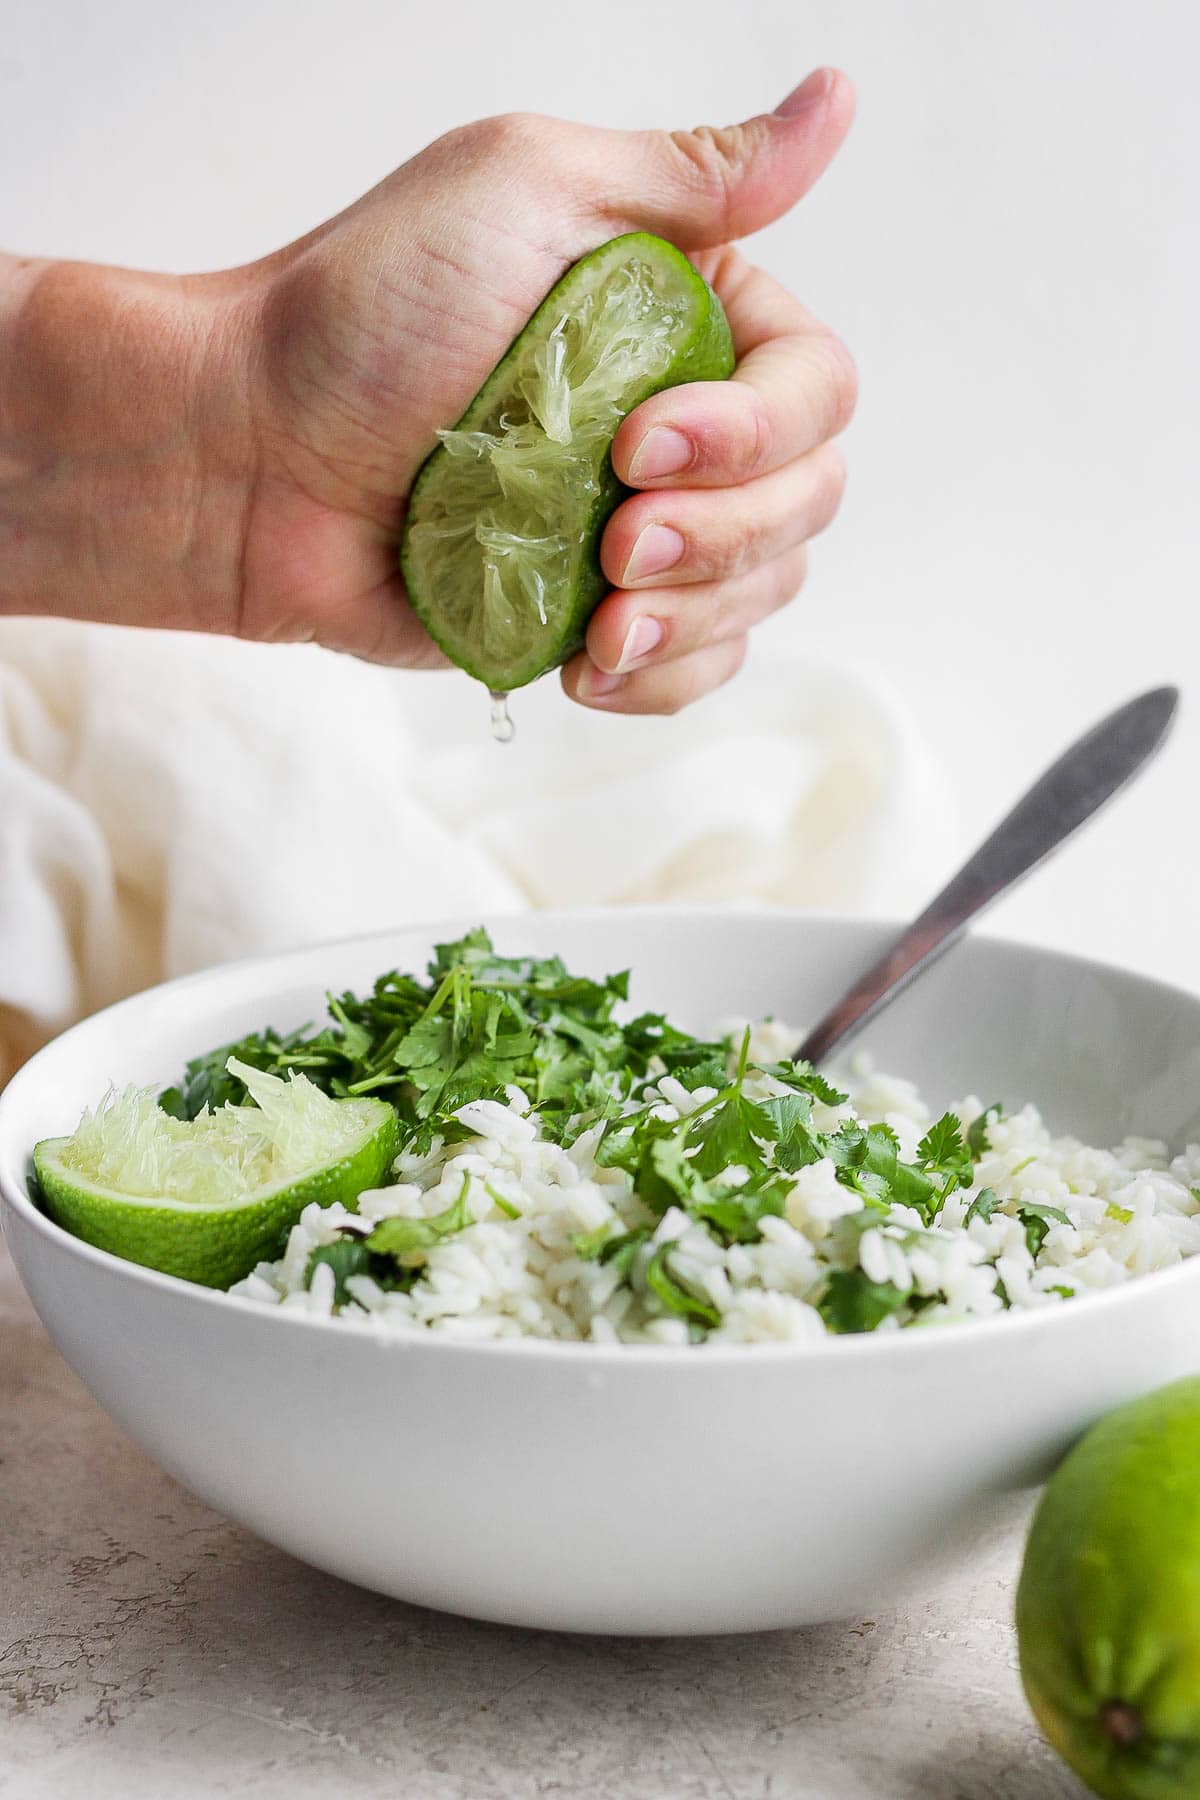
(231, 452)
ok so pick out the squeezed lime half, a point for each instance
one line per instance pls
(208, 1198)
(500, 552)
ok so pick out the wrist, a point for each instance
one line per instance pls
(125, 446)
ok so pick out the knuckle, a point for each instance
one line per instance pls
(709, 161)
(739, 550)
(831, 483)
(728, 271)
(499, 135)
(789, 574)
(761, 438)
(734, 660)
(616, 548)
(842, 378)
(669, 696)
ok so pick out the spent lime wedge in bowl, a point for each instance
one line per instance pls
(208, 1198)
(500, 551)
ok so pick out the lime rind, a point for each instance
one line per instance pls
(500, 551)
(206, 1199)
(1109, 1598)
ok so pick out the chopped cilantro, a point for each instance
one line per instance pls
(348, 1256)
(982, 1206)
(946, 1159)
(977, 1137)
(867, 1159)
(400, 1237)
(505, 1206)
(621, 1251)
(852, 1302)
(478, 1024)
(804, 1079)
(1035, 1216)
(588, 1245)
(732, 1134)
(677, 1298)
(1037, 1220)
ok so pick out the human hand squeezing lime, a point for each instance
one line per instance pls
(233, 452)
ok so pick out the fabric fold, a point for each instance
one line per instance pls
(168, 802)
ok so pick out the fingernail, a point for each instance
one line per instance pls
(659, 547)
(663, 451)
(811, 90)
(644, 635)
(597, 683)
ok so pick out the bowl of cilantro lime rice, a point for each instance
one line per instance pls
(521, 1271)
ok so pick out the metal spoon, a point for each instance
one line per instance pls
(1087, 775)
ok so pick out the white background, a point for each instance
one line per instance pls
(1009, 243)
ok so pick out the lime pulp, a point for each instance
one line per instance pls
(500, 551)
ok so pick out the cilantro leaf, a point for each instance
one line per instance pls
(805, 1080)
(733, 1133)
(795, 1144)
(400, 1237)
(497, 1199)
(588, 1245)
(621, 1251)
(651, 1035)
(356, 1039)
(1037, 1219)
(942, 1150)
(852, 1302)
(982, 1206)
(943, 1155)
(347, 1256)
(942, 1142)
(665, 1176)
(867, 1160)
(977, 1136)
(1036, 1216)
(677, 1298)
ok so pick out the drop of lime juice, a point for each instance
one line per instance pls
(503, 729)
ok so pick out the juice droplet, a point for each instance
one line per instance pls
(503, 729)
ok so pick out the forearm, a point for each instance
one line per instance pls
(125, 448)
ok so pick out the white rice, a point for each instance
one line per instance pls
(1131, 1210)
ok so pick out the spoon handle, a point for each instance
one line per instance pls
(1086, 776)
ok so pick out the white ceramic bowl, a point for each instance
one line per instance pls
(631, 1489)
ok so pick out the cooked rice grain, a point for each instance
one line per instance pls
(1131, 1210)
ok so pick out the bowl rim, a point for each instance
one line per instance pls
(912, 1344)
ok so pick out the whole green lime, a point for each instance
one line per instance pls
(500, 551)
(1108, 1607)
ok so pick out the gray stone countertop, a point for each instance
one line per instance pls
(150, 1650)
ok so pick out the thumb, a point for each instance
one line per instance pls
(704, 187)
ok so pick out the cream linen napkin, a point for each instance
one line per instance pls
(168, 802)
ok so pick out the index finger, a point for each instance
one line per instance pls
(794, 387)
